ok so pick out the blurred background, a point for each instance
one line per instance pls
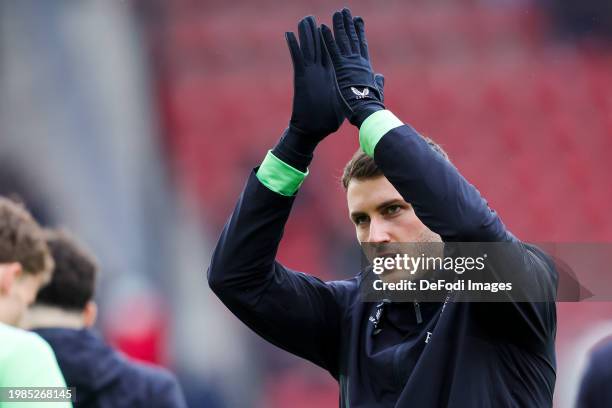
(136, 123)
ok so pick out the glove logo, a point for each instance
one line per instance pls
(360, 94)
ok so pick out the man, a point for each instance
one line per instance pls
(25, 265)
(400, 189)
(64, 313)
(595, 390)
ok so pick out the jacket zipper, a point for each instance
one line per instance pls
(417, 312)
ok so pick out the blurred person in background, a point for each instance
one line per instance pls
(582, 20)
(596, 385)
(26, 360)
(401, 188)
(64, 313)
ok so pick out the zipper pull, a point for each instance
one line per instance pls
(377, 319)
(417, 312)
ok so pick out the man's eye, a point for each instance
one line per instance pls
(392, 209)
(360, 220)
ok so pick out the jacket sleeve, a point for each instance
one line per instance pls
(442, 199)
(292, 310)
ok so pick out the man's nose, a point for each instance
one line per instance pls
(378, 233)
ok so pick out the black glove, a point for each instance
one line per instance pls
(359, 88)
(317, 110)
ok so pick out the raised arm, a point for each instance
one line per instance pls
(441, 197)
(295, 311)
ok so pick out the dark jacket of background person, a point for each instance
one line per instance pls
(595, 388)
(104, 378)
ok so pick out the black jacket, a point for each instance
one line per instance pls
(595, 390)
(104, 378)
(454, 355)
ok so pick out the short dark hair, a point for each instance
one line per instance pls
(74, 279)
(22, 239)
(361, 166)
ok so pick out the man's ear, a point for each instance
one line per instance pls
(9, 272)
(90, 314)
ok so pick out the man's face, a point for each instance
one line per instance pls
(381, 215)
(20, 294)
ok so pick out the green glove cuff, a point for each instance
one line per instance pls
(375, 127)
(280, 177)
